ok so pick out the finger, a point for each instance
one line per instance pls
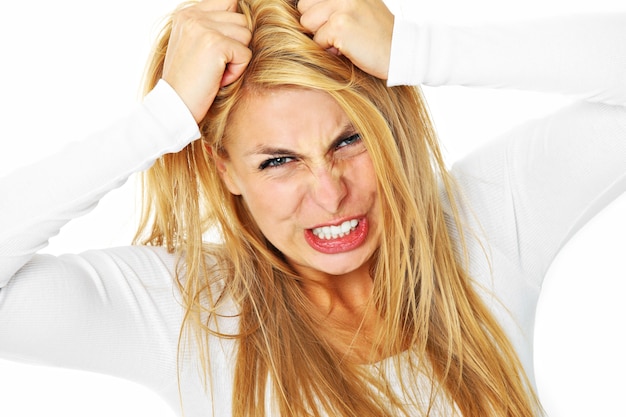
(229, 24)
(206, 17)
(325, 40)
(215, 5)
(227, 17)
(237, 32)
(237, 62)
(317, 14)
(305, 5)
(195, 15)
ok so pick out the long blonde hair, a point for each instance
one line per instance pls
(429, 309)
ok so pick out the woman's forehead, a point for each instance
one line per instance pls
(286, 112)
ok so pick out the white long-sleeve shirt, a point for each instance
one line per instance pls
(116, 311)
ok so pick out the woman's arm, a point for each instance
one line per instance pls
(46, 195)
(207, 49)
(549, 176)
(114, 310)
(537, 185)
(529, 191)
(581, 55)
(108, 311)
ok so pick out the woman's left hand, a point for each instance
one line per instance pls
(359, 29)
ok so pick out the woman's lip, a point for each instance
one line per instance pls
(340, 244)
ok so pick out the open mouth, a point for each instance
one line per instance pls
(338, 238)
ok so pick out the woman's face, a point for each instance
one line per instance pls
(306, 178)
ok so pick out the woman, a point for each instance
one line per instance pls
(355, 277)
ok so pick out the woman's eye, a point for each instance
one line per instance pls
(348, 141)
(275, 162)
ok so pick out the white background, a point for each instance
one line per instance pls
(69, 67)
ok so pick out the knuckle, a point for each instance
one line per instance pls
(339, 21)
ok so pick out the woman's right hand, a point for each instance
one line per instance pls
(207, 49)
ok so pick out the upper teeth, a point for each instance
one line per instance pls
(333, 232)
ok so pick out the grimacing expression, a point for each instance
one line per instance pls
(306, 177)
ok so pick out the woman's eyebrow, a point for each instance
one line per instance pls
(271, 150)
(346, 130)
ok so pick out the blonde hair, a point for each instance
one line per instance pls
(429, 309)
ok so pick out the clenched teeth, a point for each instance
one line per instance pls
(334, 232)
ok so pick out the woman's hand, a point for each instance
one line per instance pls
(207, 49)
(358, 29)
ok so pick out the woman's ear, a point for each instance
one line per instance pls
(224, 168)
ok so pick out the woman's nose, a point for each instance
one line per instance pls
(329, 188)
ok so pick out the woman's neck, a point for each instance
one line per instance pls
(350, 320)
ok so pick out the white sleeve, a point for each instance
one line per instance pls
(113, 311)
(583, 55)
(527, 192)
(39, 199)
(537, 185)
